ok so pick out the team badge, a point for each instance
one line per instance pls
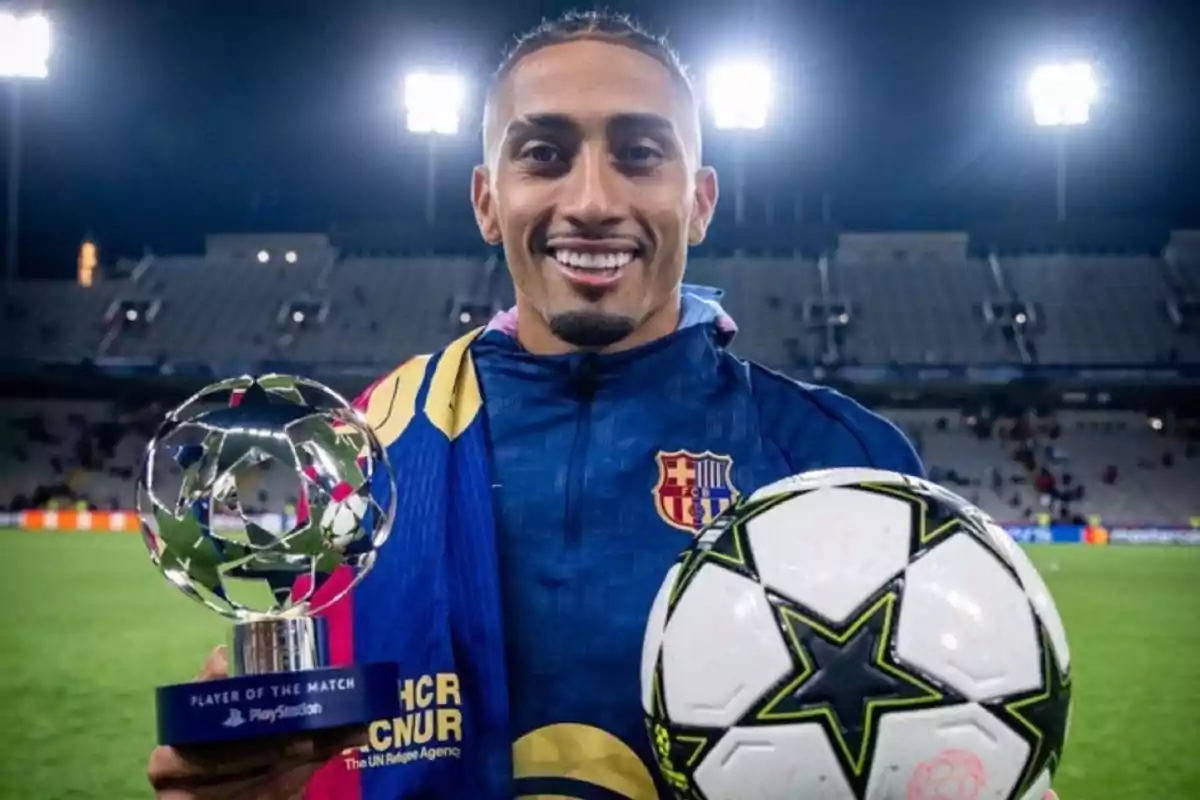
(693, 489)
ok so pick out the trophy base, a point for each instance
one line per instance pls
(263, 706)
(281, 684)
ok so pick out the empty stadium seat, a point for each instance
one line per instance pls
(918, 312)
(1145, 492)
(1100, 309)
(1091, 310)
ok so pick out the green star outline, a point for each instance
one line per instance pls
(1049, 674)
(696, 556)
(656, 721)
(924, 535)
(885, 605)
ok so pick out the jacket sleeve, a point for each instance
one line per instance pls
(883, 444)
(817, 427)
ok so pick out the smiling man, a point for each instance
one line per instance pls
(593, 183)
(617, 425)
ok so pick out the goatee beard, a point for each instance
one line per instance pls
(591, 330)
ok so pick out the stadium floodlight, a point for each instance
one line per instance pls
(25, 45)
(433, 102)
(739, 95)
(263, 256)
(1062, 94)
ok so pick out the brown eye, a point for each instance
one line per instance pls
(541, 153)
(640, 155)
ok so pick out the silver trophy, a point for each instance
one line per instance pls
(267, 500)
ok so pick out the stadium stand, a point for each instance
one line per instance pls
(210, 307)
(766, 296)
(253, 303)
(1072, 465)
(1109, 464)
(54, 320)
(80, 450)
(90, 452)
(1101, 309)
(937, 298)
(396, 300)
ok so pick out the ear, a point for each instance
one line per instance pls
(703, 205)
(484, 202)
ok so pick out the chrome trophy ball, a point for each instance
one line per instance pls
(267, 499)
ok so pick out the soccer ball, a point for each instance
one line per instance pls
(343, 517)
(855, 633)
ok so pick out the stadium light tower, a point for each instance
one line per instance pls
(739, 95)
(433, 105)
(1062, 97)
(25, 46)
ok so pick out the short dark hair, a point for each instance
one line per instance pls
(603, 26)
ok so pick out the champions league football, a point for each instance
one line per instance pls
(854, 633)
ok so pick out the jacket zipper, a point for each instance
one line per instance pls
(583, 381)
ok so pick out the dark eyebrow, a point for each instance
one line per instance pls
(535, 124)
(643, 123)
(564, 125)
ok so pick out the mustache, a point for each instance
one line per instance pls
(545, 228)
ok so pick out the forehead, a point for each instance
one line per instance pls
(590, 81)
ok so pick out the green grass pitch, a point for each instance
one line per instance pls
(89, 630)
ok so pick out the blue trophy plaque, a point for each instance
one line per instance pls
(266, 499)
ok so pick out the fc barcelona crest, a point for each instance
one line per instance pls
(693, 489)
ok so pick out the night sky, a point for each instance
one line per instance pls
(164, 120)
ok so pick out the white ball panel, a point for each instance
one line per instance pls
(822, 478)
(831, 549)
(919, 752)
(722, 650)
(652, 642)
(965, 620)
(779, 762)
(1040, 788)
(343, 517)
(1039, 593)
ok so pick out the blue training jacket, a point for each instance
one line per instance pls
(604, 468)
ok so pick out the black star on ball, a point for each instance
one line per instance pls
(1040, 717)
(845, 679)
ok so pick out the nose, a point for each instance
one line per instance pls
(592, 195)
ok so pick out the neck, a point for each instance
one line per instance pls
(534, 334)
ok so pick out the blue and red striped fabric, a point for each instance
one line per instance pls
(431, 604)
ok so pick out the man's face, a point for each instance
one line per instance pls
(593, 185)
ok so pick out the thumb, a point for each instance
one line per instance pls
(1050, 795)
(216, 666)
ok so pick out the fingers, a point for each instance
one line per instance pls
(275, 768)
(209, 763)
(216, 666)
(283, 783)
(239, 763)
(336, 740)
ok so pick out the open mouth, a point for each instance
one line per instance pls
(593, 266)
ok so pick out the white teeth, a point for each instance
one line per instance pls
(597, 261)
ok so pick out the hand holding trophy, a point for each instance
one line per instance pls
(269, 573)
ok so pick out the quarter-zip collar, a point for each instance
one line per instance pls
(704, 329)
